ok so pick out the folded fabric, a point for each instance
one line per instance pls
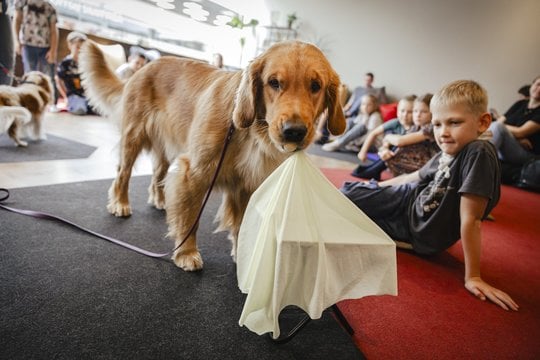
(304, 243)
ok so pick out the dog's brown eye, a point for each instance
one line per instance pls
(315, 86)
(274, 84)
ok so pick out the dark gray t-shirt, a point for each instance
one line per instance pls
(434, 213)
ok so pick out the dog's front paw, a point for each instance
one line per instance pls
(189, 260)
(21, 143)
(120, 210)
(156, 202)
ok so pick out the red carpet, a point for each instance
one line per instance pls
(435, 317)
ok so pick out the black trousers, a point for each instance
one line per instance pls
(7, 51)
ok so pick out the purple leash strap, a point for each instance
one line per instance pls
(46, 216)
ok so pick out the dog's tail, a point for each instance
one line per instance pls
(102, 87)
(11, 114)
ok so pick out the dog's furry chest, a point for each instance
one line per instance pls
(256, 164)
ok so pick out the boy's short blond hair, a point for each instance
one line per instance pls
(462, 92)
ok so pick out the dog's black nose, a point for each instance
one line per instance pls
(294, 132)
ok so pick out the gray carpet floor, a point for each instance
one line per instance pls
(67, 295)
(54, 148)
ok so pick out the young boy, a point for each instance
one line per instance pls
(446, 199)
(137, 59)
(69, 80)
(398, 126)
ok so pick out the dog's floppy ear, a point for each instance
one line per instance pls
(249, 103)
(336, 120)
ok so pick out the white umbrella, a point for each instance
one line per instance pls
(303, 243)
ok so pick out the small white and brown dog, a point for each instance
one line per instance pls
(22, 108)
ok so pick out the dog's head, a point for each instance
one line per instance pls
(42, 81)
(288, 87)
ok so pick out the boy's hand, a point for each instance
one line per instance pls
(51, 58)
(386, 154)
(483, 290)
(526, 143)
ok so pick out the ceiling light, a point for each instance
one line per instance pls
(195, 11)
(165, 5)
(222, 20)
(227, 13)
(192, 5)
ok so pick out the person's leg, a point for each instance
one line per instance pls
(51, 72)
(372, 171)
(387, 206)
(29, 58)
(508, 148)
(42, 63)
(6, 50)
(353, 131)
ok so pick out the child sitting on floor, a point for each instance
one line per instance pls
(358, 127)
(406, 153)
(398, 126)
(431, 209)
(69, 77)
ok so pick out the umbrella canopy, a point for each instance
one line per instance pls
(303, 243)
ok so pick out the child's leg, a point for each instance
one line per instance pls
(354, 132)
(372, 171)
(388, 207)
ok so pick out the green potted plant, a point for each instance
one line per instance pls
(291, 18)
(237, 22)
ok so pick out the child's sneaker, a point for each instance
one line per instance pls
(331, 146)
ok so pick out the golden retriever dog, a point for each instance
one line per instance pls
(181, 111)
(31, 97)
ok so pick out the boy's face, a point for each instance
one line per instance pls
(404, 113)
(75, 47)
(138, 63)
(421, 113)
(455, 126)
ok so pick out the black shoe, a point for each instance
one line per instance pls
(359, 169)
(323, 140)
(371, 172)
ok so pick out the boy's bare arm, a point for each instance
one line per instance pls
(17, 21)
(525, 130)
(362, 155)
(407, 139)
(51, 54)
(471, 210)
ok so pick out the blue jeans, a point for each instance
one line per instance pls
(33, 58)
(508, 147)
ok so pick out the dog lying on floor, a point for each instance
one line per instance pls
(31, 97)
(181, 110)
